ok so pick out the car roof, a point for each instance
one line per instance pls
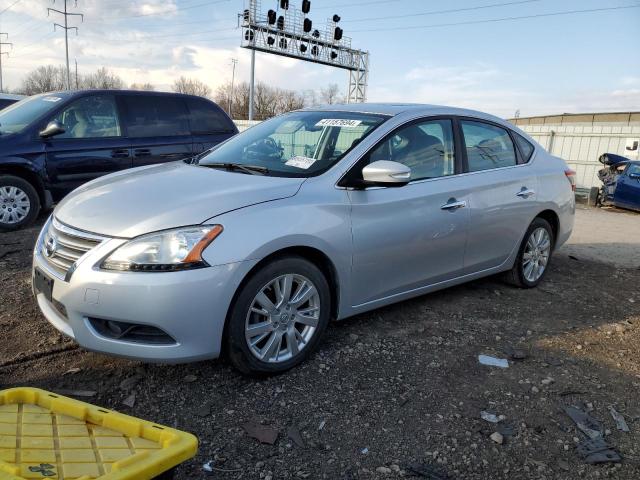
(11, 96)
(76, 93)
(393, 109)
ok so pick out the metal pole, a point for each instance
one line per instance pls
(1, 87)
(66, 44)
(76, 60)
(233, 76)
(252, 83)
(10, 45)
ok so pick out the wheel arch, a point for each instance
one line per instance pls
(553, 219)
(27, 174)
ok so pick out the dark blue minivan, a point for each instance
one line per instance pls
(54, 142)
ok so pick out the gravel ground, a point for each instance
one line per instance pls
(395, 387)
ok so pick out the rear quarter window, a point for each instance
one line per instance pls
(206, 117)
(526, 148)
(155, 116)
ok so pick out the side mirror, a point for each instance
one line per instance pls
(385, 173)
(51, 130)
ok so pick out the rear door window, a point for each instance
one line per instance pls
(155, 116)
(488, 146)
(207, 118)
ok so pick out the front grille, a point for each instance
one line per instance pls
(62, 246)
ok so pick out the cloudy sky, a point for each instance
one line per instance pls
(478, 56)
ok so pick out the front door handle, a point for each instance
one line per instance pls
(142, 152)
(525, 193)
(453, 204)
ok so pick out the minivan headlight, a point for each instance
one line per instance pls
(170, 250)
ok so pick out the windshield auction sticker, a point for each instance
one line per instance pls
(338, 122)
(300, 162)
(51, 99)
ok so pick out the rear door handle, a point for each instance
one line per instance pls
(525, 193)
(454, 204)
(142, 152)
(120, 153)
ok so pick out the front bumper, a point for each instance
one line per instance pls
(190, 306)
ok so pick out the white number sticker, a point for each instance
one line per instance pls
(51, 99)
(300, 162)
(338, 122)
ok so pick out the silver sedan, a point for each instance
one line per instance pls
(317, 215)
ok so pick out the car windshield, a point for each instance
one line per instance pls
(18, 116)
(297, 144)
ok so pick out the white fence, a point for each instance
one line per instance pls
(244, 124)
(580, 146)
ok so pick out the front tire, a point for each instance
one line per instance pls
(534, 255)
(278, 317)
(19, 203)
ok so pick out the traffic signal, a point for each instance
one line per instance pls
(337, 34)
(280, 23)
(306, 6)
(284, 4)
(271, 17)
(306, 25)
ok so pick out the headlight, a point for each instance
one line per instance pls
(164, 251)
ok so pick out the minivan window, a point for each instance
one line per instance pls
(155, 116)
(207, 118)
(488, 146)
(426, 147)
(95, 116)
(296, 144)
(18, 116)
(526, 149)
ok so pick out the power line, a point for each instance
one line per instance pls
(357, 4)
(437, 12)
(7, 8)
(493, 20)
(164, 35)
(169, 11)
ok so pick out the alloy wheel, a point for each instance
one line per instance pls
(536, 254)
(282, 318)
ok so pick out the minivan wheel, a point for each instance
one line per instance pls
(19, 203)
(534, 255)
(278, 317)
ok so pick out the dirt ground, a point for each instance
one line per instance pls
(395, 387)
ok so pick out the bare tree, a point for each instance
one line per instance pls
(46, 78)
(331, 94)
(191, 86)
(142, 86)
(269, 101)
(102, 79)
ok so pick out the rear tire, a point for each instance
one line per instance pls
(19, 203)
(270, 329)
(534, 255)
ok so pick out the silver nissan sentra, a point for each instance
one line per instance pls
(318, 214)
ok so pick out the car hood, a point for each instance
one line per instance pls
(142, 200)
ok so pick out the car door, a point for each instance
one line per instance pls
(209, 124)
(92, 144)
(158, 128)
(627, 192)
(503, 194)
(408, 237)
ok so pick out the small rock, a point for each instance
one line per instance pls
(384, 470)
(353, 337)
(535, 389)
(547, 381)
(497, 437)
(190, 378)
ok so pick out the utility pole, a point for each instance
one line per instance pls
(252, 81)
(234, 62)
(76, 60)
(3, 53)
(66, 29)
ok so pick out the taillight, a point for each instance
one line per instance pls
(571, 176)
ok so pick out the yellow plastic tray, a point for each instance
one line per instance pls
(46, 435)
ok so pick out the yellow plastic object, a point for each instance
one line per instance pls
(46, 435)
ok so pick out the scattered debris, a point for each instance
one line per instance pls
(262, 433)
(364, 451)
(78, 393)
(130, 401)
(574, 258)
(597, 450)
(493, 361)
(518, 354)
(491, 417)
(322, 424)
(208, 467)
(72, 371)
(130, 383)
(497, 437)
(383, 470)
(294, 434)
(588, 425)
(190, 378)
(425, 470)
(619, 419)
(565, 393)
